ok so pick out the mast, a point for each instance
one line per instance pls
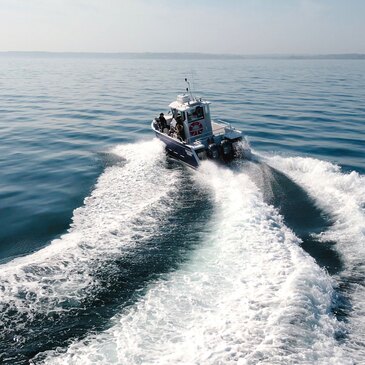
(188, 89)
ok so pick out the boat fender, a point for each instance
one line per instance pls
(213, 151)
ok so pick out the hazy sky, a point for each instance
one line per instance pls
(226, 26)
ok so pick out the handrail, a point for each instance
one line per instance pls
(208, 134)
(225, 123)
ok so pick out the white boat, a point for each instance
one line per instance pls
(190, 135)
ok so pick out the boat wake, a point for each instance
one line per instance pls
(53, 294)
(225, 275)
(342, 195)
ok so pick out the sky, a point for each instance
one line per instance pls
(248, 27)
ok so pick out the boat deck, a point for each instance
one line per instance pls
(217, 128)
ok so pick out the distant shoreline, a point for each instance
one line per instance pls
(184, 56)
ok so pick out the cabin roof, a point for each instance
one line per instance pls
(185, 106)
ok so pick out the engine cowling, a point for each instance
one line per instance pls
(227, 148)
(213, 151)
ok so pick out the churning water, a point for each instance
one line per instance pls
(111, 254)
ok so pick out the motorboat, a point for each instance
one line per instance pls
(190, 135)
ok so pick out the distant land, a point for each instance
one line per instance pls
(184, 56)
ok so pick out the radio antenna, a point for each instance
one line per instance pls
(188, 89)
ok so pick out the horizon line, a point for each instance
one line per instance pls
(148, 54)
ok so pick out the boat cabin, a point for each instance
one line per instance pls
(190, 135)
(194, 116)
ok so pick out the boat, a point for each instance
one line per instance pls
(191, 136)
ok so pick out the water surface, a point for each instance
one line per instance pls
(109, 253)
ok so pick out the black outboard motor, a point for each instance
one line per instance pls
(213, 151)
(227, 149)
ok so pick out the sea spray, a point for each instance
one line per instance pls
(48, 288)
(248, 295)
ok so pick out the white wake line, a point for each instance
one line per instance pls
(342, 195)
(250, 294)
(100, 230)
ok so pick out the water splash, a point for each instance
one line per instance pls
(42, 289)
(342, 195)
(249, 294)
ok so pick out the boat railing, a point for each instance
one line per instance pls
(226, 124)
(218, 128)
(216, 132)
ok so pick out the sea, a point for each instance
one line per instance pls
(111, 253)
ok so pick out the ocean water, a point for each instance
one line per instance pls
(112, 254)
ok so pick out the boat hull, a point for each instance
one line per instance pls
(179, 150)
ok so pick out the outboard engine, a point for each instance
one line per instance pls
(213, 151)
(227, 149)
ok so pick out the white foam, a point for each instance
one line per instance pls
(342, 195)
(61, 275)
(248, 295)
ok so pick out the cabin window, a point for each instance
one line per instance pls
(195, 114)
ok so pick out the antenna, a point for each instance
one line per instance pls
(188, 89)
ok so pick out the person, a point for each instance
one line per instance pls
(163, 122)
(173, 123)
(172, 131)
(180, 131)
(179, 118)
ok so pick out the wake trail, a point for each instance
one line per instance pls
(342, 195)
(249, 294)
(42, 292)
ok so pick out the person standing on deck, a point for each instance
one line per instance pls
(163, 123)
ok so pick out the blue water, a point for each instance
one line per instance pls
(83, 286)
